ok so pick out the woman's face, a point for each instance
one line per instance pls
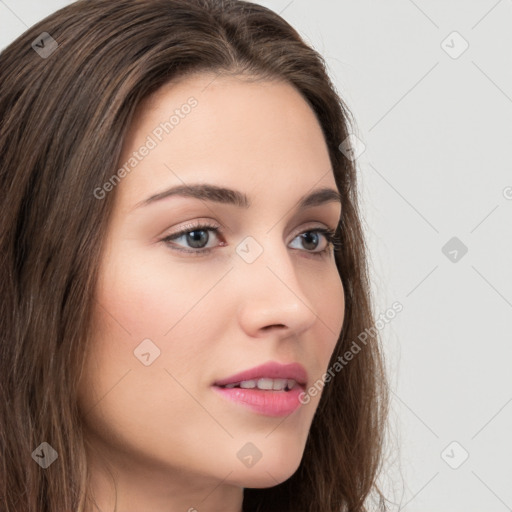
(171, 321)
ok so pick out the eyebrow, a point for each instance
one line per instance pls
(214, 193)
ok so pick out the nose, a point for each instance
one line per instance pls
(272, 294)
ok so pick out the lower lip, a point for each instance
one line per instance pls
(269, 403)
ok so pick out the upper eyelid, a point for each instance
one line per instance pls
(219, 229)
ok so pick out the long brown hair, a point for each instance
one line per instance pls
(65, 106)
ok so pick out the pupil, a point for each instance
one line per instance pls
(198, 238)
(306, 237)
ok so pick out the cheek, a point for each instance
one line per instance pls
(336, 302)
(142, 305)
(146, 296)
(148, 302)
(331, 313)
(328, 298)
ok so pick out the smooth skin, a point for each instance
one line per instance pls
(170, 441)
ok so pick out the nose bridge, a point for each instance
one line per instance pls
(272, 292)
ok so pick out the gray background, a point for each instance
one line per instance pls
(436, 125)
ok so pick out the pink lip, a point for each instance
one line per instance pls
(267, 402)
(271, 370)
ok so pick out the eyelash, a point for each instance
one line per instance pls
(333, 240)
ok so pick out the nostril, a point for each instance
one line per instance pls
(267, 327)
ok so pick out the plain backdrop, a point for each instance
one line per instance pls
(430, 86)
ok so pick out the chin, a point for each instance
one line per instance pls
(262, 475)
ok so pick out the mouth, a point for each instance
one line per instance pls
(264, 384)
(270, 376)
(271, 389)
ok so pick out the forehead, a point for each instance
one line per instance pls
(251, 135)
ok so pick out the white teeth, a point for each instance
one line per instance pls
(279, 384)
(248, 384)
(265, 384)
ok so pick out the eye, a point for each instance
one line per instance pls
(196, 237)
(312, 238)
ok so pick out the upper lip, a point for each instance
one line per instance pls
(270, 370)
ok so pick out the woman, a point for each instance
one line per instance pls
(182, 264)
